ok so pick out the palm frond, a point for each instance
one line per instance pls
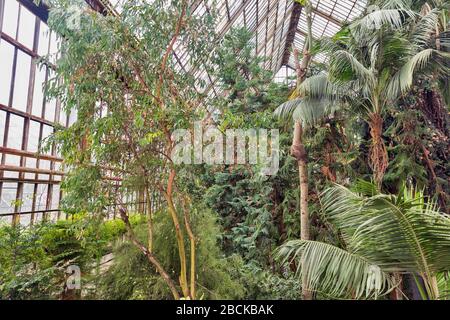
(403, 79)
(342, 60)
(312, 112)
(320, 87)
(374, 55)
(309, 111)
(425, 27)
(365, 188)
(392, 18)
(394, 232)
(443, 283)
(335, 271)
(284, 111)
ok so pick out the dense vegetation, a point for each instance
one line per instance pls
(357, 210)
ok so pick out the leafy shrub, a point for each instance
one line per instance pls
(132, 277)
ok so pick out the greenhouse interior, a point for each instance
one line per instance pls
(224, 150)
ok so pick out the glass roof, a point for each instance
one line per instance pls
(277, 25)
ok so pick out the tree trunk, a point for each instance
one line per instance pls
(149, 220)
(299, 152)
(151, 258)
(192, 246)
(378, 157)
(181, 249)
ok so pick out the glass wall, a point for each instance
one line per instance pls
(26, 118)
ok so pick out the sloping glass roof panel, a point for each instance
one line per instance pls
(327, 18)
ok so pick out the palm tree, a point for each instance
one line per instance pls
(307, 113)
(379, 234)
(373, 63)
(297, 149)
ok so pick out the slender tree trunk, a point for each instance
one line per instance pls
(181, 249)
(179, 234)
(192, 246)
(149, 220)
(151, 258)
(299, 152)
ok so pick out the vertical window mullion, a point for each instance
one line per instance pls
(41, 128)
(26, 125)
(10, 101)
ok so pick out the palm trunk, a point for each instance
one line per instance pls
(299, 152)
(378, 158)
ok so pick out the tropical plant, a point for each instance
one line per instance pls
(373, 63)
(378, 234)
(298, 149)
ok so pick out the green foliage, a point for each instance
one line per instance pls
(243, 202)
(250, 95)
(132, 277)
(20, 250)
(34, 259)
(379, 234)
(117, 73)
(128, 99)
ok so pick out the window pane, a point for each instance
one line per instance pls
(33, 136)
(6, 62)
(55, 197)
(41, 197)
(11, 160)
(10, 18)
(50, 106)
(27, 197)
(30, 163)
(8, 196)
(38, 94)
(25, 219)
(43, 39)
(2, 126)
(15, 132)
(26, 27)
(54, 46)
(21, 82)
(44, 164)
